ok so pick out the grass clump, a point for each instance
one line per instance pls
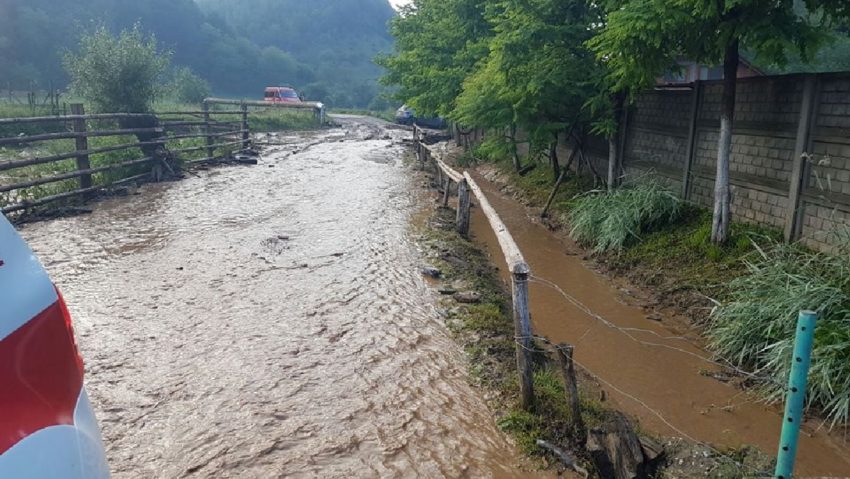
(755, 328)
(612, 221)
(278, 119)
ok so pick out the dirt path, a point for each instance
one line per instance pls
(684, 401)
(271, 321)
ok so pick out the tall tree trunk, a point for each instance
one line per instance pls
(515, 151)
(722, 195)
(553, 158)
(614, 143)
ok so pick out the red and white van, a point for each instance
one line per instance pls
(282, 94)
(47, 426)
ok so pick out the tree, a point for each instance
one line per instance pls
(438, 46)
(117, 74)
(643, 38)
(188, 87)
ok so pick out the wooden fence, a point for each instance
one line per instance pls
(161, 139)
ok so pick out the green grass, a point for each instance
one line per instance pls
(272, 119)
(755, 328)
(611, 221)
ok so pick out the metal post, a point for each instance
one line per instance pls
(82, 144)
(795, 401)
(463, 208)
(246, 135)
(522, 330)
(208, 130)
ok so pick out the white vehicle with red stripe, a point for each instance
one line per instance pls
(47, 426)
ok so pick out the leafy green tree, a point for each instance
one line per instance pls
(188, 87)
(117, 74)
(643, 38)
(438, 45)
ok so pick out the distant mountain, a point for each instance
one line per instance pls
(338, 39)
(324, 47)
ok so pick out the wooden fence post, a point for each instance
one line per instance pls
(690, 152)
(463, 208)
(208, 131)
(246, 134)
(448, 188)
(522, 331)
(800, 168)
(565, 360)
(82, 144)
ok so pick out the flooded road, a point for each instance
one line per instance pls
(270, 321)
(659, 378)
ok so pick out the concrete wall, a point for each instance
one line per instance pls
(673, 133)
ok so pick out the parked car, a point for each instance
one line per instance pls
(47, 426)
(407, 116)
(282, 94)
(404, 115)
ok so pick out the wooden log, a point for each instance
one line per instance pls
(524, 343)
(69, 194)
(616, 449)
(565, 171)
(73, 174)
(13, 164)
(246, 134)
(565, 458)
(68, 118)
(82, 145)
(513, 255)
(304, 105)
(463, 205)
(73, 134)
(564, 353)
(208, 130)
(447, 189)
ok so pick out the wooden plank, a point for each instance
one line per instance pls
(304, 105)
(451, 173)
(49, 199)
(513, 255)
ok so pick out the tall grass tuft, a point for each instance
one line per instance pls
(610, 221)
(755, 328)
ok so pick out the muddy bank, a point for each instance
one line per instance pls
(651, 373)
(271, 321)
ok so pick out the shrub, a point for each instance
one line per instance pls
(755, 328)
(610, 221)
(188, 87)
(117, 74)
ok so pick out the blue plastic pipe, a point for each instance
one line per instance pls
(795, 400)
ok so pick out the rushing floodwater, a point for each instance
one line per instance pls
(270, 321)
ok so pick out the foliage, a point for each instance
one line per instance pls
(281, 119)
(756, 327)
(117, 74)
(328, 43)
(438, 45)
(611, 221)
(188, 87)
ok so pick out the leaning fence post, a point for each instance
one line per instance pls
(448, 189)
(565, 360)
(795, 401)
(463, 208)
(82, 144)
(246, 134)
(522, 331)
(208, 131)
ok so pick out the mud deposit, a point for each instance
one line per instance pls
(271, 321)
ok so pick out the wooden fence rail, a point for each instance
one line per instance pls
(153, 141)
(517, 265)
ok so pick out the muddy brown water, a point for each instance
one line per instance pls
(271, 321)
(685, 402)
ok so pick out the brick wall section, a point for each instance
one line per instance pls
(768, 111)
